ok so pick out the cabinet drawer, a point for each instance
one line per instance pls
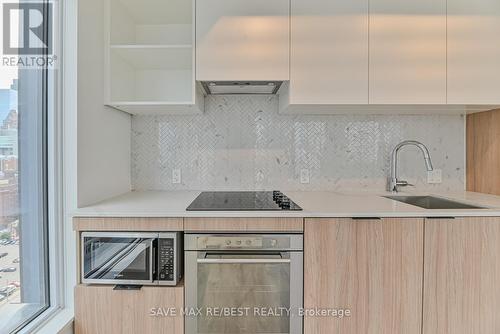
(244, 224)
(127, 224)
(102, 310)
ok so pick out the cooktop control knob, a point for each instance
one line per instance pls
(285, 204)
(228, 242)
(277, 196)
(238, 242)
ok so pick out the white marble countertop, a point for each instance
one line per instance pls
(314, 204)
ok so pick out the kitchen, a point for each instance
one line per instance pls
(284, 166)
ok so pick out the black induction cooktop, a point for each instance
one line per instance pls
(243, 201)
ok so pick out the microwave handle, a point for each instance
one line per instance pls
(152, 262)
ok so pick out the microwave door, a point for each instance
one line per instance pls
(102, 254)
(119, 260)
(106, 258)
(126, 262)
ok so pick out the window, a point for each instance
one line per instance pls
(26, 87)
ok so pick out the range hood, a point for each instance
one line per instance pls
(240, 87)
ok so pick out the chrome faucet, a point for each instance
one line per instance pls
(394, 183)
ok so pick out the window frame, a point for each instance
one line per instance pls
(55, 233)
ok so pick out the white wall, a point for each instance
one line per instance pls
(103, 133)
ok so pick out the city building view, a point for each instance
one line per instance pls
(9, 196)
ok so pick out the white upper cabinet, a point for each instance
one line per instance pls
(408, 51)
(242, 40)
(474, 52)
(329, 52)
(367, 57)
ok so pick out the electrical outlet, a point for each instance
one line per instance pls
(435, 176)
(176, 176)
(304, 176)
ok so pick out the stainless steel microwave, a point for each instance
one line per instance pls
(124, 258)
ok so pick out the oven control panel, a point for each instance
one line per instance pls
(232, 242)
(166, 254)
(250, 242)
(243, 241)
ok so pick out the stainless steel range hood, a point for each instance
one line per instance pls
(240, 87)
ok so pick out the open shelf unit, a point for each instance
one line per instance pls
(150, 57)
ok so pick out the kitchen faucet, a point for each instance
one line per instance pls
(394, 183)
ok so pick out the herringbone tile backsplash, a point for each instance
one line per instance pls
(242, 143)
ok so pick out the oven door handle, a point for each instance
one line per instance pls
(242, 261)
(152, 262)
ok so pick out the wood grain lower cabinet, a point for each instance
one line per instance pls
(243, 225)
(102, 310)
(483, 152)
(462, 275)
(127, 224)
(372, 267)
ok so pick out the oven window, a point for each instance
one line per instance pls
(111, 258)
(252, 288)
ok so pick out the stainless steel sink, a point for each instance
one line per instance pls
(431, 202)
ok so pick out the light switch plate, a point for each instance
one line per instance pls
(304, 176)
(435, 176)
(176, 176)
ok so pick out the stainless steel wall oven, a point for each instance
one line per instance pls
(125, 258)
(245, 283)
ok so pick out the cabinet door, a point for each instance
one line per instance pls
(473, 52)
(242, 39)
(483, 152)
(372, 267)
(101, 310)
(407, 52)
(461, 275)
(329, 52)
